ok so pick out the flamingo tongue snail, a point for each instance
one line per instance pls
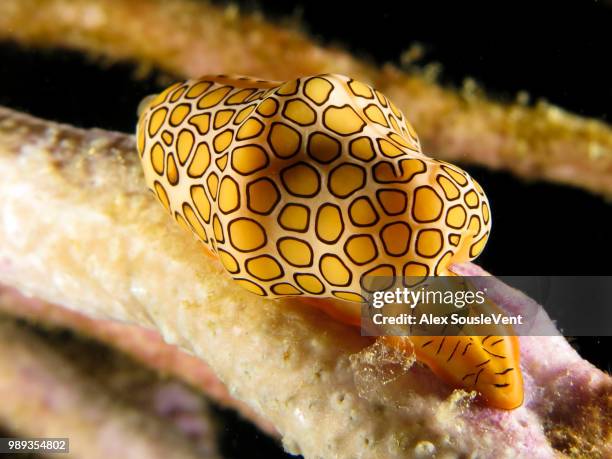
(304, 188)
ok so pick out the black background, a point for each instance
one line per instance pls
(559, 51)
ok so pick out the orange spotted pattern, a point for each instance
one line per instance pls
(304, 188)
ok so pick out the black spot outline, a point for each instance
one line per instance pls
(295, 276)
(168, 91)
(142, 137)
(196, 213)
(350, 279)
(227, 177)
(357, 157)
(275, 110)
(210, 193)
(151, 120)
(248, 195)
(446, 167)
(208, 93)
(364, 124)
(415, 263)
(354, 236)
(257, 95)
(177, 213)
(210, 85)
(405, 160)
(196, 126)
(178, 171)
(293, 204)
(222, 240)
(414, 201)
(392, 190)
(335, 169)
(319, 133)
(386, 125)
(382, 99)
(191, 188)
(451, 242)
(334, 292)
(220, 158)
(265, 236)
(412, 148)
(235, 122)
(176, 141)
(438, 264)
(184, 118)
(464, 220)
(384, 155)
(298, 83)
(227, 103)
(253, 135)
(266, 163)
(482, 206)
(405, 278)
(416, 243)
(441, 176)
(328, 94)
(160, 173)
(465, 199)
(229, 121)
(384, 244)
(252, 282)
(278, 243)
(485, 235)
(286, 294)
(233, 258)
(393, 109)
(364, 275)
(164, 140)
(246, 267)
(380, 164)
(359, 225)
(341, 223)
(479, 223)
(348, 84)
(298, 99)
(269, 140)
(301, 163)
(395, 126)
(209, 161)
(231, 131)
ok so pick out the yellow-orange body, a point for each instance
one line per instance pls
(305, 188)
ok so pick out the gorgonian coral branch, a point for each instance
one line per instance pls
(79, 229)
